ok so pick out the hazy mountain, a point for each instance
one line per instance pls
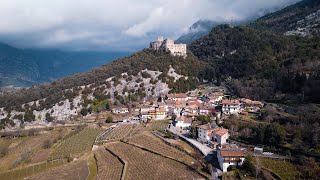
(20, 67)
(197, 30)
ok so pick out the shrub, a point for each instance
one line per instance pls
(47, 144)
(109, 119)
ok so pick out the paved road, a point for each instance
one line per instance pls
(205, 150)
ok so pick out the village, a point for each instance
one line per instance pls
(184, 110)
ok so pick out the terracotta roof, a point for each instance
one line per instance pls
(181, 95)
(161, 109)
(171, 102)
(234, 152)
(233, 102)
(184, 119)
(195, 103)
(220, 131)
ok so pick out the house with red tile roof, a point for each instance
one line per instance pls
(251, 106)
(158, 113)
(230, 155)
(183, 121)
(231, 107)
(212, 134)
(216, 97)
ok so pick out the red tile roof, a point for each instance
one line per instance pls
(181, 95)
(185, 119)
(220, 131)
(231, 102)
(235, 152)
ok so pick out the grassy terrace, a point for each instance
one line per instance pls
(76, 145)
(284, 169)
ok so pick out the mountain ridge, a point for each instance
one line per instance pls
(26, 67)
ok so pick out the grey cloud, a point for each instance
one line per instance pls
(113, 25)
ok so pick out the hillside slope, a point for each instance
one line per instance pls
(302, 18)
(144, 74)
(260, 63)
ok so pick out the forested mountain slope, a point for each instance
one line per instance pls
(302, 18)
(261, 63)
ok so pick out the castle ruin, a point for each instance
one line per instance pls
(169, 45)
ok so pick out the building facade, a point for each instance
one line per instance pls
(169, 45)
(183, 121)
(231, 107)
(230, 155)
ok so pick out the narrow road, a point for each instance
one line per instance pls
(204, 149)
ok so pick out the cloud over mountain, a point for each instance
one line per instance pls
(106, 24)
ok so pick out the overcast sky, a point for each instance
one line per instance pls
(120, 25)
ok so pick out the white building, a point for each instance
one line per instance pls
(169, 45)
(231, 107)
(251, 106)
(177, 97)
(230, 155)
(216, 97)
(183, 121)
(158, 113)
(120, 110)
(220, 135)
(204, 132)
(212, 134)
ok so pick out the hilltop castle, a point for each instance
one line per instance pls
(169, 45)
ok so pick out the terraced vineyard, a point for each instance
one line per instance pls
(152, 143)
(283, 168)
(71, 171)
(146, 165)
(109, 166)
(116, 133)
(159, 125)
(76, 145)
(22, 173)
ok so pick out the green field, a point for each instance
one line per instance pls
(283, 168)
